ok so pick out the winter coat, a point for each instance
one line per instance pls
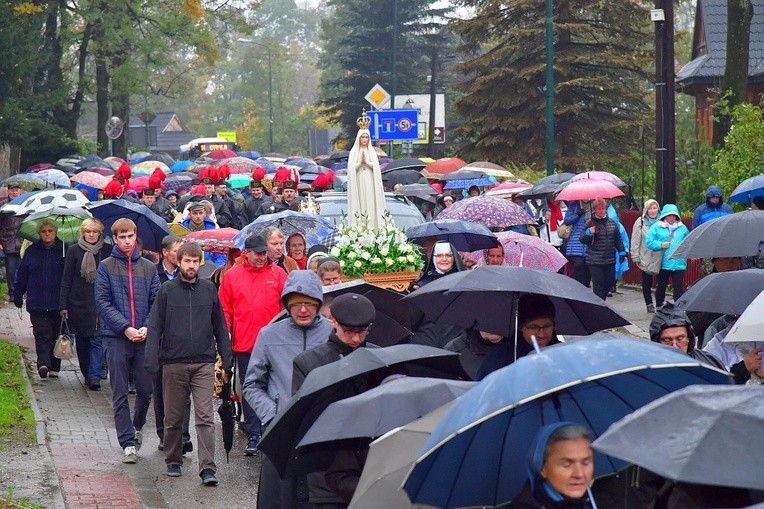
(39, 276)
(125, 289)
(576, 218)
(187, 325)
(669, 315)
(647, 260)
(218, 259)
(603, 244)
(77, 295)
(708, 211)
(472, 349)
(504, 354)
(540, 500)
(251, 209)
(250, 298)
(660, 233)
(163, 209)
(9, 238)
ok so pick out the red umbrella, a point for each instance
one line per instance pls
(220, 239)
(91, 179)
(445, 165)
(102, 170)
(589, 189)
(238, 164)
(138, 184)
(221, 154)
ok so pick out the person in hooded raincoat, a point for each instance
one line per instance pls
(713, 207)
(665, 236)
(648, 261)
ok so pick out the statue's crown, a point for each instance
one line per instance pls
(364, 121)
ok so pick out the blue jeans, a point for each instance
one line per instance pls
(125, 356)
(251, 422)
(90, 356)
(12, 261)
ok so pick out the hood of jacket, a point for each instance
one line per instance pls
(669, 315)
(305, 282)
(668, 210)
(714, 191)
(647, 205)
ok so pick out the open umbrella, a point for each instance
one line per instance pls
(463, 235)
(102, 170)
(485, 298)
(137, 157)
(220, 154)
(26, 181)
(589, 189)
(747, 190)
(42, 201)
(506, 189)
(723, 449)
(463, 174)
(180, 180)
(267, 165)
(489, 211)
(442, 166)
(219, 240)
(54, 178)
(162, 157)
(179, 166)
(389, 460)
(749, 325)
(421, 191)
(151, 228)
(239, 180)
(599, 175)
(146, 168)
(522, 250)
(138, 184)
(238, 164)
(91, 179)
(67, 222)
(312, 226)
(464, 184)
(227, 413)
(406, 162)
(479, 447)
(738, 234)
(391, 178)
(726, 293)
(548, 184)
(332, 382)
(491, 169)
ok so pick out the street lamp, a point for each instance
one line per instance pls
(270, 90)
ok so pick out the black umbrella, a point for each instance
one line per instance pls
(548, 184)
(404, 176)
(463, 235)
(406, 162)
(727, 293)
(361, 370)
(463, 174)
(486, 299)
(739, 234)
(227, 412)
(342, 155)
(162, 157)
(422, 191)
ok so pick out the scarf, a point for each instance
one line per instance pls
(88, 267)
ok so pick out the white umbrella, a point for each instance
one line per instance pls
(750, 325)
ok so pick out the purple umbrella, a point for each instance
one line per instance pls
(488, 211)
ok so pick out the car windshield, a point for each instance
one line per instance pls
(404, 213)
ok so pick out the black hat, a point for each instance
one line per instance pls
(193, 205)
(289, 184)
(758, 200)
(532, 306)
(13, 185)
(318, 248)
(256, 243)
(207, 180)
(353, 310)
(256, 183)
(147, 191)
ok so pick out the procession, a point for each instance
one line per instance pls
(469, 360)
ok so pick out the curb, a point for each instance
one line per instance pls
(41, 434)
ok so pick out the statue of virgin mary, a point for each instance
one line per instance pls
(366, 197)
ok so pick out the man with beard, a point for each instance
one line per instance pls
(186, 330)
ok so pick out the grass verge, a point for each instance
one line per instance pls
(16, 416)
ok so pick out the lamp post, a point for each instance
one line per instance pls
(270, 90)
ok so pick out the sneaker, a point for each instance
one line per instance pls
(138, 439)
(251, 449)
(43, 372)
(208, 477)
(650, 308)
(130, 456)
(188, 447)
(173, 470)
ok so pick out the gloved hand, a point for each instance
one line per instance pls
(18, 302)
(622, 259)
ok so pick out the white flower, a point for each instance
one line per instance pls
(365, 255)
(352, 235)
(389, 262)
(401, 258)
(376, 260)
(384, 251)
(410, 258)
(335, 251)
(357, 264)
(352, 255)
(404, 248)
(342, 263)
(343, 242)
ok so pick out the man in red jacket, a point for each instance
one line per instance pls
(250, 294)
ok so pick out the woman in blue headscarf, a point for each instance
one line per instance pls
(560, 468)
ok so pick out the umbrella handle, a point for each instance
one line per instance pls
(535, 343)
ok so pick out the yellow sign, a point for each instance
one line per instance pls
(228, 135)
(378, 96)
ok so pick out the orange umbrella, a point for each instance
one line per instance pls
(445, 165)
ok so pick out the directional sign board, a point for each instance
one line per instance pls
(393, 124)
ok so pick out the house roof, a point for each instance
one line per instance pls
(710, 44)
(164, 121)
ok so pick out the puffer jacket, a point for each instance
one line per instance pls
(602, 245)
(709, 211)
(576, 218)
(39, 276)
(660, 233)
(9, 238)
(647, 260)
(125, 289)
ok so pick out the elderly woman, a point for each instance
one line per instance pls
(560, 468)
(39, 277)
(296, 247)
(77, 301)
(329, 271)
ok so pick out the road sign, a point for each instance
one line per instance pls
(378, 97)
(393, 125)
(439, 135)
(228, 135)
(421, 103)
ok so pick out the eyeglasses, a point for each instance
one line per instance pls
(678, 341)
(353, 331)
(306, 305)
(535, 329)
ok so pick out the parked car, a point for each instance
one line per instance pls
(335, 206)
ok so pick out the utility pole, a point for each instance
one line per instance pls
(549, 87)
(433, 102)
(665, 121)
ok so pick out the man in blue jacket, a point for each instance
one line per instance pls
(713, 207)
(125, 288)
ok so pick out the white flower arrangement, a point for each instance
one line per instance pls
(362, 250)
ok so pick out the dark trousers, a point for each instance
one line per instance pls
(647, 287)
(180, 381)
(90, 356)
(677, 283)
(124, 357)
(251, 422)
(580, 270)
(12, 261)
(159, 411)
(275, 493)
(603, 279)
(46, 327)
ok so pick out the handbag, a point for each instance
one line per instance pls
(563, 231)
(63, 349)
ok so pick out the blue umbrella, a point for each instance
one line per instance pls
(463, 235)
(465, 183)
(151, 228)
(251, 154)
(312, 226)
(266, 164)
(181, 166)
(747, 189)
(478, 449)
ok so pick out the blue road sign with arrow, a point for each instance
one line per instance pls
(393, 125)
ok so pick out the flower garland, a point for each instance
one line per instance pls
(362, 250)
